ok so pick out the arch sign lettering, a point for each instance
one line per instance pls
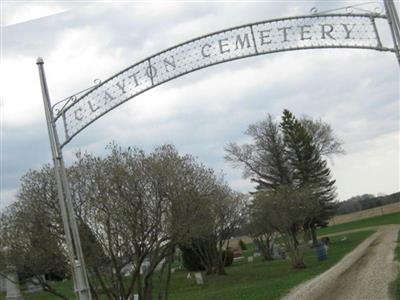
(318, 30)
(294, 33)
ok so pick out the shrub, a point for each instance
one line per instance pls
(242, 245)
(190, 260)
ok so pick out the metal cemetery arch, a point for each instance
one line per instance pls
(287, 34)
(74, 114)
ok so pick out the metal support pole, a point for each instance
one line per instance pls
(394, 24)
(79, 273)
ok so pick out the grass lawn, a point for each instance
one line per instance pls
(393, 218)
(256, 281)
(396, 284)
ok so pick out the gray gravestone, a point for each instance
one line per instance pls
(278, 252)
(33, 287)
(2, 284)
(13, 291)
(144, 267)
(199, 278)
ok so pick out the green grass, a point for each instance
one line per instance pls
(396, 284)
(64, 287)
(256, 281)
(261, 280)
(393, 218)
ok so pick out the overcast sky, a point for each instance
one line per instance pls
(356, 91)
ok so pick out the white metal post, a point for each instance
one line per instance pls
(394, 24)
(79, 273)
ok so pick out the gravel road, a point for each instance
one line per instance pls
(363, 274)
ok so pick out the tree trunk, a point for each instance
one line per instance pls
(265, 247)
(297, 260)
(148, 288)
(314, 235)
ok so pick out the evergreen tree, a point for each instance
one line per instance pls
(309, 169)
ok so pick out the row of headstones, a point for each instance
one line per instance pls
(277, 253)
(128, 270)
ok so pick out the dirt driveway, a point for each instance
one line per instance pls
(363, 274)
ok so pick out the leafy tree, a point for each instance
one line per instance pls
(223, 216)
(323, 137)
(285, 210)
(32, 231)
(261, 231)
(131, 207)
(288, 154)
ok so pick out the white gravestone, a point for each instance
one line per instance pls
(250, 259)
(199, 278)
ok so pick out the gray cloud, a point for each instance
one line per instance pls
(354, 90)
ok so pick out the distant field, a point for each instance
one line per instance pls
(393, 218)
(368, 213)
(372, 215)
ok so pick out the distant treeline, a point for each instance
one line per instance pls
(366, 201)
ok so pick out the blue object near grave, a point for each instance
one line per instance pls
(321, 252)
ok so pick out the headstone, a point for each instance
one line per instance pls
(144, 267)
(278, 252)
(199, 278)
(250, 259)
(12, 286)
(33, 287)
(160, 265)
(135, 297)
(2, 284)
(257, 254)
(238, 258)
(173, 270)
(188, 276)
(326, 241)
(128, 269)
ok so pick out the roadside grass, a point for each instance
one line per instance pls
(256, 281)
(393, 218)
(395, 286)
(263, 280)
